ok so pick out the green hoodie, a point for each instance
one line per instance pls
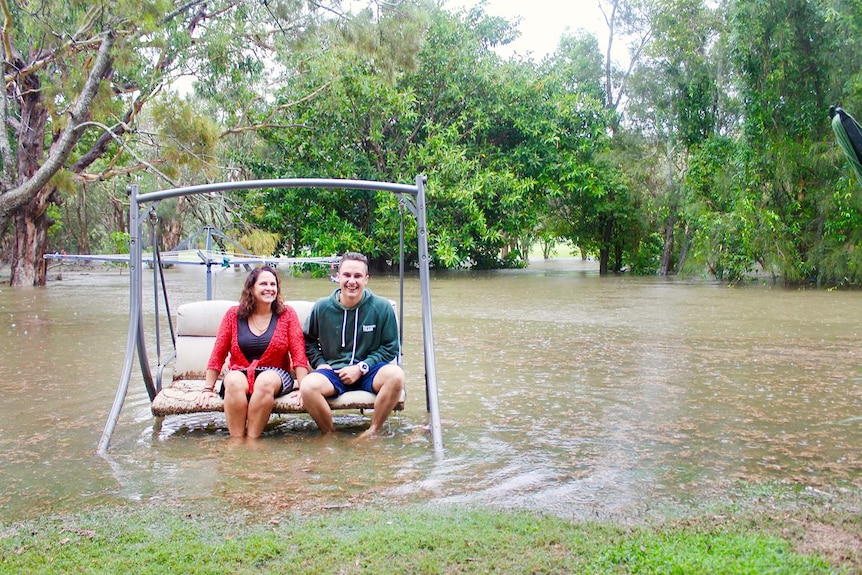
(341, 336)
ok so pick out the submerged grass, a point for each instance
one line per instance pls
(415, 539)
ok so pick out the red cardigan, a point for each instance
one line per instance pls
(286, 349)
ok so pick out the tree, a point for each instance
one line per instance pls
(607, 216)
(26, 184)
(627, 21)
(448, 105)
(78, 76)
(674, 105)
(590, 198)
(784, 66)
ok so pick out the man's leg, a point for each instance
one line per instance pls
(388, 384)
(314, 390)
(266, 385)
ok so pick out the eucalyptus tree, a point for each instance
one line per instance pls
(844, 19)
(674, 108)
(79, 74)
(590, 202)
(839, 250)
(783, 57)
(729, 103)
(413, 89)
(595, 199)
(627, 22)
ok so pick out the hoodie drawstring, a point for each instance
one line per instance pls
(355, 333)
(343, 328)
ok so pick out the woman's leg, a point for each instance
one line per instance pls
(267, 385)
(235, 402)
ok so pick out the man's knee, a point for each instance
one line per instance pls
(391, 376)
(315, 384)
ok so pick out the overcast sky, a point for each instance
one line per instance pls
(543, 21)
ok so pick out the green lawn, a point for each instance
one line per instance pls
(420, 540)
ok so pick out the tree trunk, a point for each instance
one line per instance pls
(173, 235)
(77, 222)
(31, 221)
(683, 252)
(666, 267)
(117, 219)
(34, 193)
(172, 227)
(605, 250)
(29, 268)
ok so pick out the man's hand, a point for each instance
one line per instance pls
(349, 374)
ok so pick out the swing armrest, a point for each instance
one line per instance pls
(161, 369)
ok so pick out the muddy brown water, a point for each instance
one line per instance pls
(560, 391)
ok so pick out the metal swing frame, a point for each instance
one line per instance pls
(413, 196)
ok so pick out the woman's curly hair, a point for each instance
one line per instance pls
(246, 298)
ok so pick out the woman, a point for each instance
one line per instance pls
(265, 342)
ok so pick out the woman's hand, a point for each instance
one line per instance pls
(204, 397)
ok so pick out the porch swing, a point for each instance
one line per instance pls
(197, 322)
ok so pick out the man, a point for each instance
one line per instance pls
(350, 339)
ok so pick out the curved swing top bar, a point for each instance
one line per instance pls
(366, 185)
(414, 196)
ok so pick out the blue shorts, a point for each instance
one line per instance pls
(364, 383)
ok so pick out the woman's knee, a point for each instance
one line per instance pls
(268, 382)
(235, 382)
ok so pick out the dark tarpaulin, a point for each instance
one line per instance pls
(849, 136)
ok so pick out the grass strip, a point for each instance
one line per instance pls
(419, 539)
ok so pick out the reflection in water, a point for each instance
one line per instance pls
(559, 391)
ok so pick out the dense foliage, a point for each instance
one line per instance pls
(706, 150)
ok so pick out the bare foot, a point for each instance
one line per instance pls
(235, 441)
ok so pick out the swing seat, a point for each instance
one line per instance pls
(196, 328)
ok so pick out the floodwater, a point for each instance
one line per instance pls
(560, 392)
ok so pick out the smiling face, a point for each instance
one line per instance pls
(352, 278)
(265, 288)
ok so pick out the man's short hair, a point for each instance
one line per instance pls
(355, 256)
